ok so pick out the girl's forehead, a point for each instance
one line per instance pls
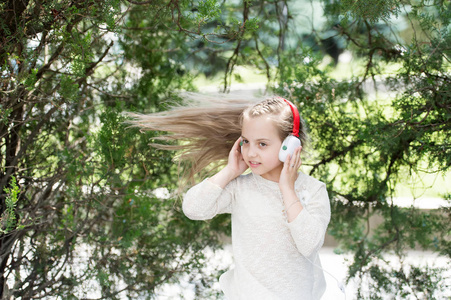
(259, 127)
(264, 120)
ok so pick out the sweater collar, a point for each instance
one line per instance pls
(272, 184)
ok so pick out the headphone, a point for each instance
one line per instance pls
(291, 142)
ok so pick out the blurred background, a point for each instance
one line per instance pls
(88, 210)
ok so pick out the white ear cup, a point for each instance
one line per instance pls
(288, 146)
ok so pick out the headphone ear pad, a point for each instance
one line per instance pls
(290, 144)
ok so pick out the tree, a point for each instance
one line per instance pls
(371, 130)
(366, 143)
(81, 209)
(79, 212)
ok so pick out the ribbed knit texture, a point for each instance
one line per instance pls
(269, 253)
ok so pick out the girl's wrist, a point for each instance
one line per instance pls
(288, 195)
(229, 173)
(287, 189)
(223, 177)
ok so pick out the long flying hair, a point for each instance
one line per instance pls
(203, 128)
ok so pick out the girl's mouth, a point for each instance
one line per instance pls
(254, 164)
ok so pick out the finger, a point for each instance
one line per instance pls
(236, 145)
(235, 151)
(287, 164)
(298, 157)
(293, 160)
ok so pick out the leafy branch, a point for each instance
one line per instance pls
(8, 219)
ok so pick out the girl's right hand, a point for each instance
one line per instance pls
(234, 168)
(236, 163)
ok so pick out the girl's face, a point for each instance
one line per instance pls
(261, 145)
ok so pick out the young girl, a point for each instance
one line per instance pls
(279, 215)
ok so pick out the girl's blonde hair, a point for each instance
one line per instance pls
(280, 112)
(203, 128)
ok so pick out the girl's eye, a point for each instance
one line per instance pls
(263, 145)
(245, 141)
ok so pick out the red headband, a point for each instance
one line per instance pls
(296, 118)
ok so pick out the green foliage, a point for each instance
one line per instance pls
(96, 209)
(403, 282)
(208, 9)
(362, 143)
(4, 113)
(373, 10)
(63, 136)
(8, 219)
(69, 89)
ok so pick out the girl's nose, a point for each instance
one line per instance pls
(251, 152)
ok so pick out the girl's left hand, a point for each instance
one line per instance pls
(290, 170)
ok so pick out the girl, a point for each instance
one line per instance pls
(279, 215)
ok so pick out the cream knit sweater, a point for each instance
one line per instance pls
(269, 253)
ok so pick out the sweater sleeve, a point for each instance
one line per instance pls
(308, 229)
(205, 200)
